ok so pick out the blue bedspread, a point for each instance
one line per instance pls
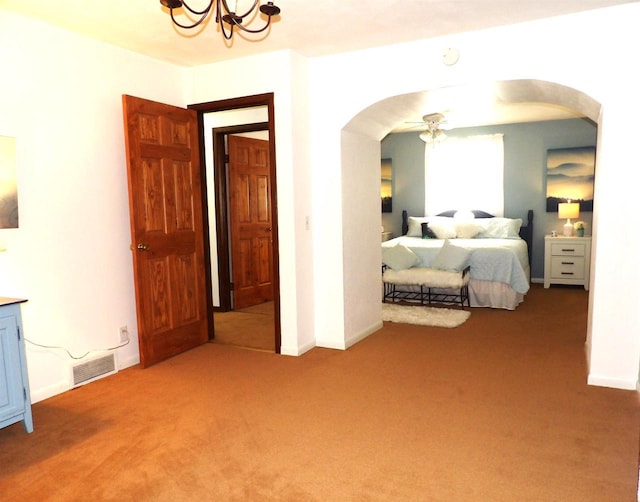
(498, 260)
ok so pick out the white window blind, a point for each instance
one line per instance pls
(465, 174)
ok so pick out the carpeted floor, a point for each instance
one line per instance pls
(494, 410)
(251, 327)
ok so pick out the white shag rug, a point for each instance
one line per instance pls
(425, 316)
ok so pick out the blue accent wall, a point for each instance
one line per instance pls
(525, 157)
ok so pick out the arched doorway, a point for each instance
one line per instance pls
(361, 163)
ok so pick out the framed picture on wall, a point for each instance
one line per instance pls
(8, 183)
(386, 185)
(570, 175)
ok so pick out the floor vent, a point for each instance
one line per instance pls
(97, 367)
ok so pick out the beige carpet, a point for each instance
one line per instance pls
(251, 327)
(498, 412)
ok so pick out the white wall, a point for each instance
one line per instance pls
(360, 199)
(284, 74)
(576, 51)
(60, 96)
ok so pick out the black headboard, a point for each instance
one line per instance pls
(526, 230)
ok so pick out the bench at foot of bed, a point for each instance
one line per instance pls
(426, 285)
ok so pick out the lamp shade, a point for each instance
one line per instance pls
(568, 210)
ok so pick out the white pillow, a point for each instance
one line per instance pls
(500, 228)
(399, 257)
(443, 229)
(415, 226)
(451, 257)
(468, 230)
(464, 215)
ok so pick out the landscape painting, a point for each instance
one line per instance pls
(8, 183)
(570, 176)
(386, 185)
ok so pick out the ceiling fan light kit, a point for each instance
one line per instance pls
(434, 123)
(226, 18)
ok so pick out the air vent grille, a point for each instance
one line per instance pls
(96, 368)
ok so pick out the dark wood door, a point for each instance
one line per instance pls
(165, 206)
(250, 221)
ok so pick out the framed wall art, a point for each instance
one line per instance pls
(8, 183)
(570, 176)
(386, 185)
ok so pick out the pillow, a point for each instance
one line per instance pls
(451, 257)
(443, 229)
(500, 228)
(468, 230)
(399, 257)
(427, 233)
(415, 226)
(464, 215)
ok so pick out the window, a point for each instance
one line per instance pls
(465, 173)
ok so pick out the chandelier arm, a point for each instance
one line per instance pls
(255, 31)
(198, 12)
(223, 15)
(188, 26)
(225, 34)
(249, 10)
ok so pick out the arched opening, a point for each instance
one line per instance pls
(361, 140)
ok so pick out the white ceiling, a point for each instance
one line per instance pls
(310, 28)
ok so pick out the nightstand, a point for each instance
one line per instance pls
(567, 260)
(387, 236)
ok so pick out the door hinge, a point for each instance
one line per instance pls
(24, 393)
(19, 337)
(226, 158)
(231, 286)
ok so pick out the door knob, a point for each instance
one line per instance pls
(143, 247)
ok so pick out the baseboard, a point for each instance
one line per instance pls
(49, 391)
(331, 345)
(350, 341)
(127, 362)
(296, 351)
(537, 280)
(358, 337)
(65, 385)
(614, 383)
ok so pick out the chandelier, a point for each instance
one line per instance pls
(227, 18)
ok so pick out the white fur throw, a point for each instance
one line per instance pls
(429, 277)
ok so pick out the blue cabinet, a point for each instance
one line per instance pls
(15, 401)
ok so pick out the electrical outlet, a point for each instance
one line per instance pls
(124, 334)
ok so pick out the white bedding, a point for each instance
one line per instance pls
(494, 260)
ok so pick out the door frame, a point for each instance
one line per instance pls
(220, 153)
(256, 100)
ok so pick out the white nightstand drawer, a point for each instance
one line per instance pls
(567, 260)
(567, 267)
(568, 249)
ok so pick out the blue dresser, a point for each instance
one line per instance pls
(15, 401)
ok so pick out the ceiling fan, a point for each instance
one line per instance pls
(434, 125)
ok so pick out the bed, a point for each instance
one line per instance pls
(497, 249)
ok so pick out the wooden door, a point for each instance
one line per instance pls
(250, 221)
(165, 206)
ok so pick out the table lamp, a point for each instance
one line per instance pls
(568, 210)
